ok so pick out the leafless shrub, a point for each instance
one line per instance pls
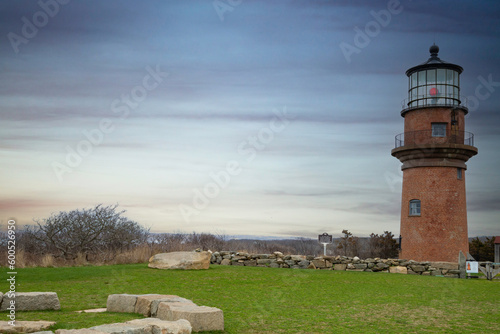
(95, 234)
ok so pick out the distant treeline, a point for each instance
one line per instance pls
(102, 235)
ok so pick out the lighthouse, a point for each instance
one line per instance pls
(433, 151)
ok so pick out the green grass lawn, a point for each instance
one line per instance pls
(266, 300)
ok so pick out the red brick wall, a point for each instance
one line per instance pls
(421, 119)
(440, 232)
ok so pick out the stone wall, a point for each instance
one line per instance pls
(278, 260)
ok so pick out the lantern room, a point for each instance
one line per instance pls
(433, 83)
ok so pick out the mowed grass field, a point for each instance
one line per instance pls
(267, 300)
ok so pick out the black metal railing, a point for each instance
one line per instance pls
(426, 137)
(430, 101)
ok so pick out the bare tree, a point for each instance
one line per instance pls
(87, 231)
(348, 244)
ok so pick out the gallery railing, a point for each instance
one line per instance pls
(426, 137)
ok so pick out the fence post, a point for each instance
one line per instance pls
(461, 265)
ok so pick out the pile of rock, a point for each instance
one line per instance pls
(169, 308)
(275, 260)
(278, 260)
(166, 314)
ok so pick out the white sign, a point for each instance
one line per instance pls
(471, 267)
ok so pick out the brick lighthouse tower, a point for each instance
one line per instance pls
(433, 149)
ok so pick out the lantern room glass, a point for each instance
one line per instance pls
(437, 86)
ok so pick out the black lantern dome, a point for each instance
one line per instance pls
(434, 83)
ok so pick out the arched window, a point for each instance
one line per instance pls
(415, 207)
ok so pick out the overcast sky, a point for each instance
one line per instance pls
(271, 118)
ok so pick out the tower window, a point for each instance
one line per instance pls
(415, 207)
(439, 129)
(459, 173)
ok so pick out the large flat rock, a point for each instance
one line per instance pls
(175, 299)
(148, 304)
(32, 301)
(159, 326)
(121, 303)
(180, 260)
(24, 326)
(124, 328)
(137, 326)
(202, 318)
(167, 308)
